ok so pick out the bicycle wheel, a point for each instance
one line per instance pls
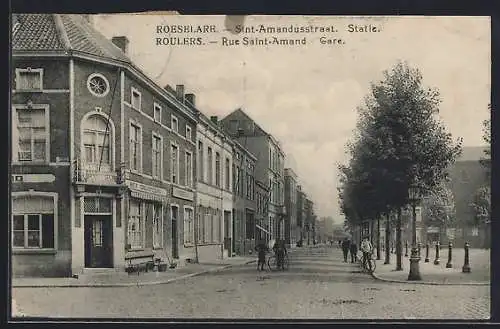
(371, 265)
(271, 262)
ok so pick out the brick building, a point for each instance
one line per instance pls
(269, 166)
(243, 199)
(102, 157)
(292, 231)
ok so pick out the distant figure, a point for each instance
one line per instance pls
(354, 251)
(280, 251)
(261, 249)
(340, 243)
(345, 248)
(367, 249)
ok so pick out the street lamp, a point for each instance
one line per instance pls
(414, 195)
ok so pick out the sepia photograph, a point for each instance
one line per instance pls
(252, 167)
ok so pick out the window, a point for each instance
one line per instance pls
(228, 173)
(135, 147)
(98, 85)
(210, 166)
(217, 169)
(157, 161)
(189, 169)
(250, 226)
(30, 135)
(200, 162)
(33, 222)
(96, 136)
(207, 225)
(135, 100)
(200, 223)
(236, 179)
(174, 165)
(188, 226)
(135, 223)
(188, 133)
(157, 225)
(29, 79)
(174, 124)
(157, 112)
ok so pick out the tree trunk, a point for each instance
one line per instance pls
(372, 228)
(378, 238)
(399, 246)
(387, 240)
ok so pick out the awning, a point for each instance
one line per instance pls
(147, 196)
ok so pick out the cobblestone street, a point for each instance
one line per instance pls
(317, 285)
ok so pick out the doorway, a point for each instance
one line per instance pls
(227, 232)
(175, 243)
(98, 241)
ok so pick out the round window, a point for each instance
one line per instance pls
(98, 85)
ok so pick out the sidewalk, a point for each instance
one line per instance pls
(122, 279)
(479, 261)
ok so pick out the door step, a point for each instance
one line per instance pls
(92, 272)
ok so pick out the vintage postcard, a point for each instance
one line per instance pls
(250, 167)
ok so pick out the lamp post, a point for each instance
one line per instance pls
(414, 197)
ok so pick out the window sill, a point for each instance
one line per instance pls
(33, 251)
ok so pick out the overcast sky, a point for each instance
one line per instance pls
(307, 96)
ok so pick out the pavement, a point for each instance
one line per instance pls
(123, 279)
(317, 285)
(479, 262)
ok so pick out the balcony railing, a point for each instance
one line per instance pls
(92, 174)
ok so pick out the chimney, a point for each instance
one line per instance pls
(214, 119)
(179, 92)
(191, 98)
(121, 42)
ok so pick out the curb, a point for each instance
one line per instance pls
(132, 284)
(430, 283)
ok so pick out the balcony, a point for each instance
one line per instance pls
(92, 174)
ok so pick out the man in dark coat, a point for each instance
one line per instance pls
(345, 248)
(354, 251)
(261, 249)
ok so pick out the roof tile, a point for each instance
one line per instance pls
(35, 32)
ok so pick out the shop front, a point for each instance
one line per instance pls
(182, 215)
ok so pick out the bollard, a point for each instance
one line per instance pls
(448, 264)
(466, 267)
(437, 261)
(406, 250)
(427, 252)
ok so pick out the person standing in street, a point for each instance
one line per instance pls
(345, 248)
(366, 249)
(261, 249)
(354, 251)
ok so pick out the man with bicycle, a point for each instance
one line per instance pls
(366, 249)
(280, 251)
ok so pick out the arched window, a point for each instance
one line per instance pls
(96, 135)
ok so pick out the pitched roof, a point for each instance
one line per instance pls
(62, 32)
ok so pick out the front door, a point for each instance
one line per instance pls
(227, 232)
(98, 241)
(175, 246)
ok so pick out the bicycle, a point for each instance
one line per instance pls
(370, 265)
(272, 262)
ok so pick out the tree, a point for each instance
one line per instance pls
(438, 208)
(486, 160)
(399, 141)
(481, 208)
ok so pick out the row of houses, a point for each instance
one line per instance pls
(108, 166)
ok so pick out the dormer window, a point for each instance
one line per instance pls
(135, 100)
(174, 124)
(29, 79)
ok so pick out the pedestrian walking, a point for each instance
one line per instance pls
(354, 251)
(367, 249)
(261, 249)
(345, 248)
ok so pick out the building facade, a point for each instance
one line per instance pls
(103, 158)
(214, 190)
(309, 221)
(244, 203)
(269, 166)
(262, 230)
(292, 231)
(301, 214)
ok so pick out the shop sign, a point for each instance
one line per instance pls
(182, 194)
(33, 178)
